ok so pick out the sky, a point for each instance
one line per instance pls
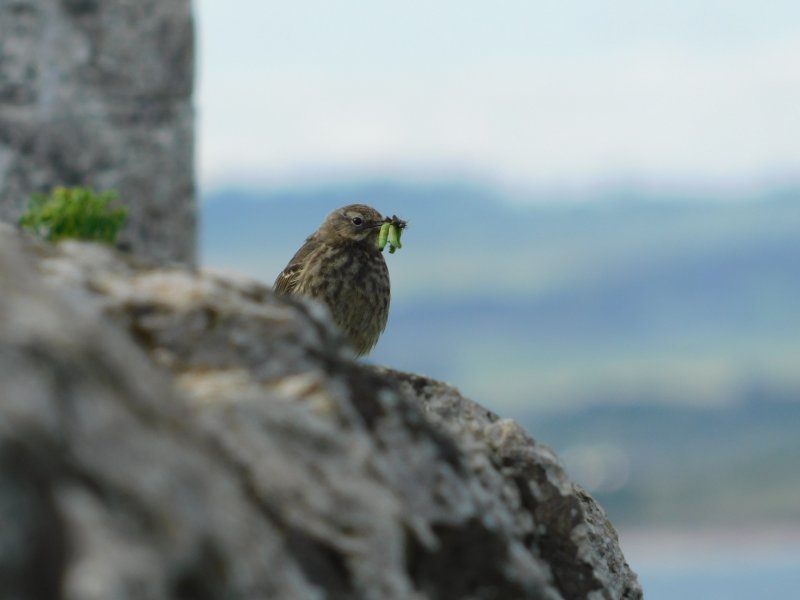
(527, 93)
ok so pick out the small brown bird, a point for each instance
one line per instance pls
(341, 265)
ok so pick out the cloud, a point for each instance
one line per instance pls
(645, 110)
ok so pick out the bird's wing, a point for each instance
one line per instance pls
(287, 280)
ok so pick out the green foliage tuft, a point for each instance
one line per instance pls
(74, 213)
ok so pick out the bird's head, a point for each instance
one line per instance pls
(353, 223)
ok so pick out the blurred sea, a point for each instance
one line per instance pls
(748, 564)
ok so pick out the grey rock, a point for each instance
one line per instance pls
(566, 519)
(100, 94)
(184, 434)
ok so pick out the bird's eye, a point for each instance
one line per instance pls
(357, 220)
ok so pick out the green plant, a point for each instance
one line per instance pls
(76, 213)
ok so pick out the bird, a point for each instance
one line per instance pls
(341, 265)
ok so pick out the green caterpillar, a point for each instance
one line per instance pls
(390, 233)
(394, 238)
(383, 236)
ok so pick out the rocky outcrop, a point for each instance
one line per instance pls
(99, 93)
(166, 433)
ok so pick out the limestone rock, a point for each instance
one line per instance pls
(100, 94)
(180, 434)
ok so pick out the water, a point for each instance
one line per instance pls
(749, 582)
(721, 565)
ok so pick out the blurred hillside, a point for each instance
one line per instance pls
(655, 464)
(618, 298)
(653, 341)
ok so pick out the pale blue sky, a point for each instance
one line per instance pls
(526, 93)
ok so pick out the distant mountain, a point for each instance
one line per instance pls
(466, 238)
(552, 304)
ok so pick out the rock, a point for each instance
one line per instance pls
(100, 94)
(183, 434)
(568, 522)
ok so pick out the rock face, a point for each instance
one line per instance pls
(166, 433)
(99, 93)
